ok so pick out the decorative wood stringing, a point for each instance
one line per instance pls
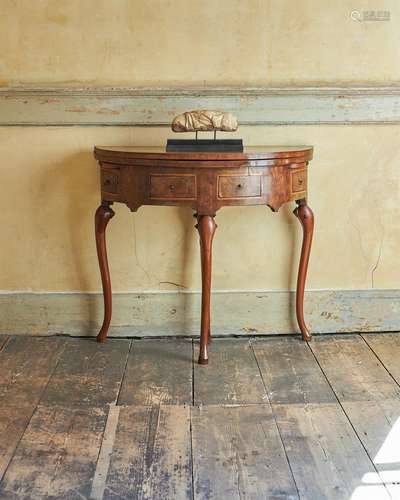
(26, 365)
(232, 378)
(3, 341)
(88, 374)
(158, 372)
(238, 454)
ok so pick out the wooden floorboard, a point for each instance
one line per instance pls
(158, 372)
(151, 455)
(377, 424)
(26, 365)
(231, 377)
(379, 421)
(238, 454)
(325, 455)
(13, 421)
(273, 418)
(57, 455)
(386, 347)
(368, 394)
(88, 373)
(290, 372)
(352, 369)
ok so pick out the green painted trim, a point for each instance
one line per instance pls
(157, 106)
(178, 313)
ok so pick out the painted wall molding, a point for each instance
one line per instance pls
(66, 106)
(178, 313)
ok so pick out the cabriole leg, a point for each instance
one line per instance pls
(306, 217)
(206, 227)
(103, 214)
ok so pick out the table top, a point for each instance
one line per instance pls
(159, 153)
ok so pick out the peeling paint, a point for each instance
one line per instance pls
(178, 313)
(146, 106)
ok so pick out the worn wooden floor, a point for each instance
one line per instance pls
(268, 418)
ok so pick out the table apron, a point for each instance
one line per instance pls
(205, 190)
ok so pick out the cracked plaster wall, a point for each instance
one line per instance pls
(50, 180)
(51, 193)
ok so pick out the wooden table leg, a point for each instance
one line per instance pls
(306, 217)
(206, 227)
(103, 214)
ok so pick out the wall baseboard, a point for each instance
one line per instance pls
(178, 313)
(157, 106)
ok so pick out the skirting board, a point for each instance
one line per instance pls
(66, 106)
(178, 313)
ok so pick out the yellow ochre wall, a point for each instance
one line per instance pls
(153, 42)
(49, 178)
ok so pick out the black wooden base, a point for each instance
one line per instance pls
(199, 145)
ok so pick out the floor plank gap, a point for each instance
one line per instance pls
(123, 373)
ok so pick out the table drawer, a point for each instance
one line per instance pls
(169, 186)
(239, 186)
(299, 180)
(110, 180)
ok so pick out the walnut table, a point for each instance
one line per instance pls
(205, 182)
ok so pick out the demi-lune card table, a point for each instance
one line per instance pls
(205, 182)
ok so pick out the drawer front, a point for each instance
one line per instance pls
(299, 180)
(239, 186)
(110, 180)
(167, 186)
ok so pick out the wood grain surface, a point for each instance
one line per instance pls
(158, 372)
(87, 374)
(238, 454)
(232, 378)
(151, 454)
(26, 366)
(271, 418)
